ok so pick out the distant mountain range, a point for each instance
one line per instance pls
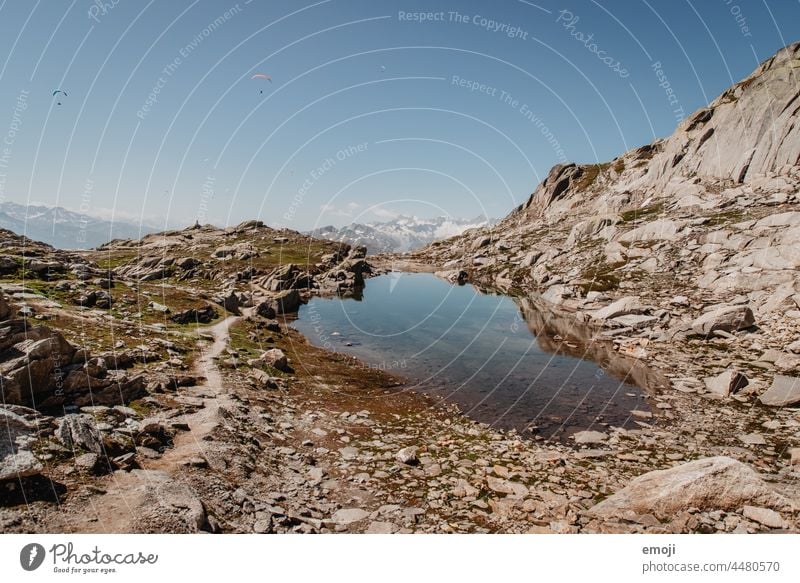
(401, 234)
(67, 229)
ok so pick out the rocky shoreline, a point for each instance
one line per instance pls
(338, 447)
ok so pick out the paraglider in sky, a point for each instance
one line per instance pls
(261, 76)
(60, 91)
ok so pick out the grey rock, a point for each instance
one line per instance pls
(726, 383)
(378, 527)
(347, 516)
(621, 307)
(275, 358)
(229, 302)
(727, 319)
(79, 431)
(783, 391)
(717, 483)
(589, 437)
(158, 307)
(88, 463)
(286, 302)
(407, 455)
(17, 435)
(753, 439)
(764, 516)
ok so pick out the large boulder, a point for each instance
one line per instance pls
(726, 318)
(717, 483)
(17, 434)
(783, 391)
(33, 362)
(266, 309)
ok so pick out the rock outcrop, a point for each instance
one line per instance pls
(40, 368)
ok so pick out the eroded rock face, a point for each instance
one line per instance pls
(717, 483)
(745, 133)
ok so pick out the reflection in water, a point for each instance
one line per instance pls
(505, 362)
(577, 340)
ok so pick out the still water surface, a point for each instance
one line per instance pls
(499, 359)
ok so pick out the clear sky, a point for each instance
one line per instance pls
(373, 109)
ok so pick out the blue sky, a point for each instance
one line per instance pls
(373, 109)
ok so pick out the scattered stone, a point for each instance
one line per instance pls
(88, 463)
(276, 358)
(377, 527)
(753, 439)
(195, 315)
(621, 307)
(407, 455)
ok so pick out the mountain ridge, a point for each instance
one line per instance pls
(64, 228)
(401, 234)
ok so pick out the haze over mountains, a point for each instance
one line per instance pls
(404, 233)
(67, 229)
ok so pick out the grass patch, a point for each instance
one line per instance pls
(601, 277)
(589, 175)
(141, 408)
(727, 217)
(641, 213)
(108, 260)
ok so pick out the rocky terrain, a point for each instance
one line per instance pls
(154, 385)
(681, 255)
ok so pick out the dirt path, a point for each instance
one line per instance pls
(127, 494)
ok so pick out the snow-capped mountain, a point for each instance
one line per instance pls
(401, 234)
(66, 229)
